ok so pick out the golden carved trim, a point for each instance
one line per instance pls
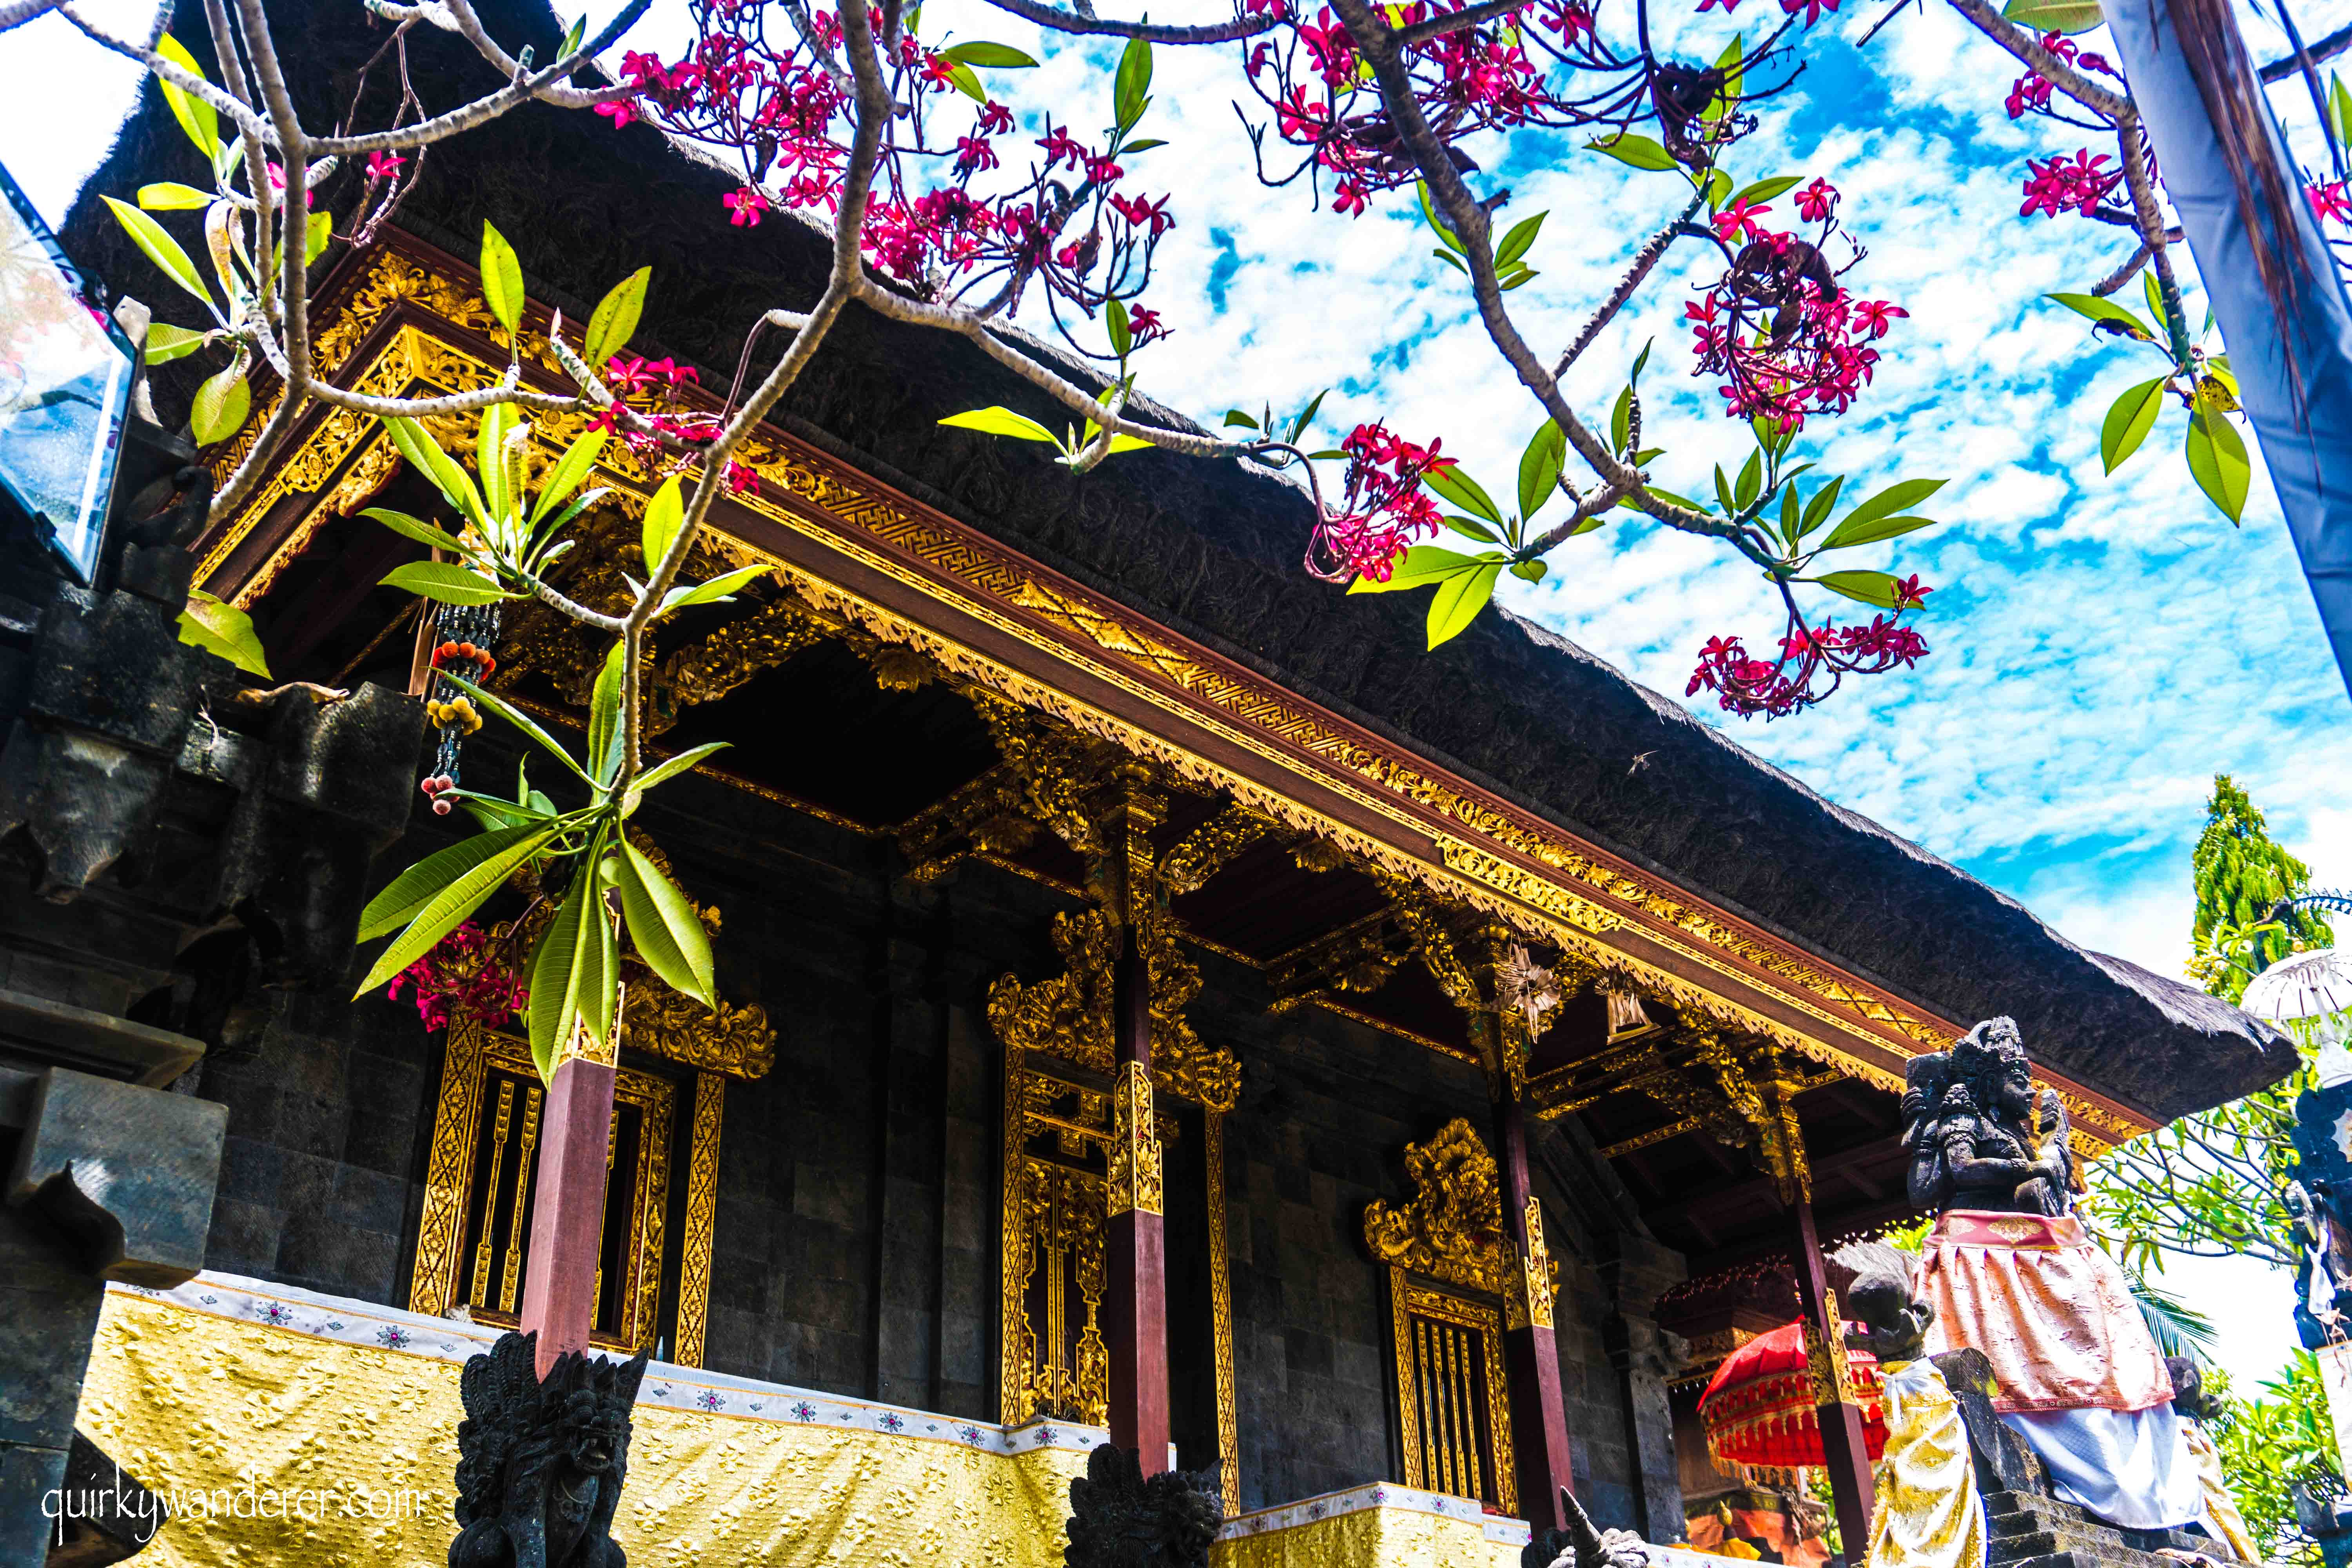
(450, 1172)
(701, 1220)
(1134, 1185)
(1267, 722)
(1221, 1315)
(1534, 1268)
(1452, 1228)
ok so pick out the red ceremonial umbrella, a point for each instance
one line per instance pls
(1759, 1407)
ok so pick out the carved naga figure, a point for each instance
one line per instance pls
(1581, 1545)
(540, 1465)
(2010, 1272)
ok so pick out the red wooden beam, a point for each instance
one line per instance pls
(1135, 1257)
(1532, 1347)
(558, 1294)
(1844, 1448)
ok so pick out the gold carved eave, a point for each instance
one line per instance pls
(410, 319)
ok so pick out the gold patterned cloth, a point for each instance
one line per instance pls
(2221, 1515)
(287, 1442)
(1928, 1513)
(2048, 1309)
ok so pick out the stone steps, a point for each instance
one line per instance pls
(2028, 1530)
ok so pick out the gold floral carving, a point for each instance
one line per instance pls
(450, 1172)
(1356, 959)
(1536, 1270)
(1452, 1229)
(1221, 1316)
(882, 532)
(1135, 1185)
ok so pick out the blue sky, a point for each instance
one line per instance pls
(2102, 645)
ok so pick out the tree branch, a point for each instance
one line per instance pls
(2027, 46)
(1643, 260)
(1063, 21)
(1437, 26)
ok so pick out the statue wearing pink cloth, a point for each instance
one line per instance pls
(2011, 1274)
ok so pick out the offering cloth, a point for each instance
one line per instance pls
(1928, 1513)
(2081, 1379)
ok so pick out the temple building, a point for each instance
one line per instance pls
(1518, 1047)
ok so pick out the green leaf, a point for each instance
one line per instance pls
(605, 729)
(572, 36)
(424, 455)
(663, 928)
(1791, 522)
(461, 894)
(989, 56)
(1640, 152)
(1141, 144)
(170, 195)
(501, 278)
(578, 460)
(1818, 509)
(1515, 243)
(1634, 376)
(219, 628)
(1901, 496)
(1429, 214)
(568, 968)
(1531, 571)
(320, 232)
(1718, 188)
(1765, 190)
(966, 82)
(409, 892)
(1452, 260)
(1133, 83)
(2152, 293)
(1459, 599)
(1235, 418)
(1751, 481)
(718, 588)
(490, 459)
(445, 583)
(1472, 528)
(1306, 416)
(1463, 490)
(670, 767)
(2217, 461)
(196, 117)
(490, 703)
(2129, 421)
(160, 248)
(1732, 64)
(995, 421)
(1882, 528)
(1422, 565)
(1869, 587)
(2339, 103)
(2068, 16)
(166, 343)
(220, 406)
(1540, 467)
(1122, 339)
(665, 514)
(1723, 491)
(614, 320)
(2100, 310)
(414, 528)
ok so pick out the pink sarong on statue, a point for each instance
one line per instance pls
(2049, 1310)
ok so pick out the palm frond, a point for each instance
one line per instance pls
(2178, 1328)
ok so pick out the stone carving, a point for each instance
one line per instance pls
(1895, 1329)
(2319, 1202)
(1118, 1519)
(541, 1465)
(1581, 1545)
(1981, 1136)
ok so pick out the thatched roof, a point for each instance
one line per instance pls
(1211, 550)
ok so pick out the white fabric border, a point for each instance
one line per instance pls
(2130, 1468)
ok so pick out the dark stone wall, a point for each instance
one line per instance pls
(856, 1247)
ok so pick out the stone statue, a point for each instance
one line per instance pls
(2010, 1272)
(1981, 1136)
(541, 1465)
(2323, 1283)
(1895, 1323)
(1581, 1545)
(1120, 1519)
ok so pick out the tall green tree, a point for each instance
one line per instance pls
(2241, 874)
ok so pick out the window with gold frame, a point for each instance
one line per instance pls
(1454, 1401)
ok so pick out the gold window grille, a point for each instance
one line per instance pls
(493, 1109)
(1455, 1405)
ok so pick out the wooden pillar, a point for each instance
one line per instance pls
(558, 1294)
(1844, 1448)
(1530, 1347)
(1135, 1257)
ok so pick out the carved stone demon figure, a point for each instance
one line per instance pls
(2011, 1273)
(1120, 1519)
(540, 1465)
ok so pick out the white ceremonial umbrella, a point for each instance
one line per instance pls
(2306, 985)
